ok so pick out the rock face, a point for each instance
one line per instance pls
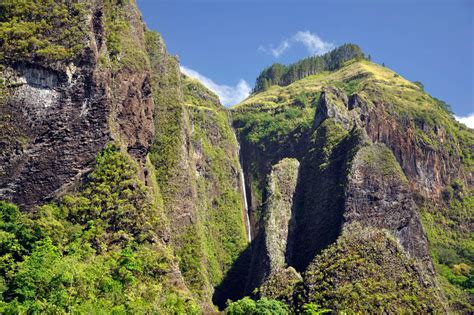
(279, 216)
(274, 244)
(195, 154)
(57, 118)
(122, 87)
(366, 159)
(428, 167)
(378, 195)
(333, 103)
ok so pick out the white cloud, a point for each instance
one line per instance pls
(276, 52)
(229, 95)
(313, 43)
(467, 120)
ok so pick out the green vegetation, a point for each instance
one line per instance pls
(367, 271)
(381, 158)
(167, 95)
(124, 47)
(449, 230)
(211, 245)
(273, 126)
(196, 94)
(282, 284)
(278, 74)
(96, 250)
(186, 112)
(42, 30)
(264, 306)
(247, 306)
(122, 207)
(314, 309)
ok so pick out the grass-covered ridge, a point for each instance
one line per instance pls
(353, 76)
(278, 74)
(375, 84)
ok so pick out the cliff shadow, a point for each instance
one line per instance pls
(234, 285)
(320, 195)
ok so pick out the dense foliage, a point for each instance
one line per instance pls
(102, 247)
(96, 250)
(449, 230)
(284, 75)
(42, 30)
(209, 247)
(247, 306)
(366, 271)
(124, 48)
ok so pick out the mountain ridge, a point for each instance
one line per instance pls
(131, 179)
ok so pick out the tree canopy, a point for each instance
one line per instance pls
(278, 74)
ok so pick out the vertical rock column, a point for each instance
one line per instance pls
(272, 245)
(279, 218)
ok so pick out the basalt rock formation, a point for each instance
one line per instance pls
(57, 116)
(97, 120)
(127, 177)
(377, 157)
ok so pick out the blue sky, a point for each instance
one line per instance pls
(228, 42)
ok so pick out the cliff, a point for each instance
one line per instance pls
(124, 183)
(59, 110)
(375, 153)
(103, 139)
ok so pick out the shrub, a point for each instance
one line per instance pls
(264, 306)
(48, 30)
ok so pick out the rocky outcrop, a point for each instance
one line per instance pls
(279, 217)
(56, 118)
(333, 103)
(366, 270)
(348, 183)
(320, 192)
(378, 195)
(274, 245)
(429, 167)
(62, 130)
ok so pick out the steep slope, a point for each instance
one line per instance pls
(374, 150)
(128, 183)
(63, 103)
(196, 157)
(390, 105)
(105, 143)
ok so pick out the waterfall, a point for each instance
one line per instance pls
(242, 181)
(244, 191)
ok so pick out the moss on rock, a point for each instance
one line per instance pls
(367, 271)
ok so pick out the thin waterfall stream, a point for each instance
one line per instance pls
(244, 191)
(242, 181)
